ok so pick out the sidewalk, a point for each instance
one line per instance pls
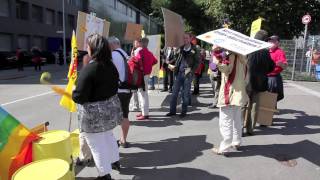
(29, 71)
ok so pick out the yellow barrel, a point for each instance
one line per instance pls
(46, 169)
(54, 144)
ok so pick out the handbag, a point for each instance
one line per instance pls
(100, 116)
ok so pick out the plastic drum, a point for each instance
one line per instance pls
(54, 144)
(47, 169)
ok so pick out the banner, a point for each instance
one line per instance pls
(255, 27)
(133, 31)
(154, 46)
(88, 24)
(173, 28)
(233, 41)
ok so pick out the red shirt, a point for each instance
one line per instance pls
(277, 55)
(148, 60)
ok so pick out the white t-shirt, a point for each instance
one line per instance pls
(117, 60)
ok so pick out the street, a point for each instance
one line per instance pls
(173, 148)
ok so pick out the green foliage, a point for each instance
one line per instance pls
(281, 17)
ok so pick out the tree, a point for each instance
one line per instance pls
(281, 17)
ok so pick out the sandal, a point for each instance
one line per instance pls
(217, 152)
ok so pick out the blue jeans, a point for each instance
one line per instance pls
(184, 83)
(152, 81)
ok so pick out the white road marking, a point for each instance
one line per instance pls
(27, 98)
(304, 89)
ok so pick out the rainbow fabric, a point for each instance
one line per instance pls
(15, 145)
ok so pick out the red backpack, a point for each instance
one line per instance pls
(133, 73)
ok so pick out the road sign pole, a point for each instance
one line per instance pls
(294, 60)
(64, 33)
(304, 46)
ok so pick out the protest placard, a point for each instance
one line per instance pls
(255, 27)
(233, 41)
(88, 24)
(173, 28)
(154, 46)
(133, 31)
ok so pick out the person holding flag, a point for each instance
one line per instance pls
(99, 110)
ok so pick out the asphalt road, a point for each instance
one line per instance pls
(173, 148)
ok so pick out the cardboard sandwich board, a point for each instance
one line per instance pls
(234, 41)
(155, 46)
(88, 24)
(133, 31)
(173, 28)
(266, 109)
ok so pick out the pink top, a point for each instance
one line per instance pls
(148, 60)
(277, 55)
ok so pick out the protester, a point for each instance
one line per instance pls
(168, 76)
(148, 60)
(99, 109)
(215, 79)
(119, 59)
(85, 155)
(134, 102)
(186, 61)
(36, 58)
(232, 97)
(275, 83)
(260, 64)
(20, 59)
(198, 73)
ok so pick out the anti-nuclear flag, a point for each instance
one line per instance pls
(255, 26)
(15, 145)
(66, 101)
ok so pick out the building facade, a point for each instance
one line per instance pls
(28, 23)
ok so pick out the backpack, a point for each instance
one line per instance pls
(133, 73)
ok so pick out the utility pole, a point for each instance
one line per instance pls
(64, 33)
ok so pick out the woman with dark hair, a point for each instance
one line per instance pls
(99, 109)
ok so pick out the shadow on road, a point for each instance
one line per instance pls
(171, 173)
(301, 124)
(303, 149)
(166, 152)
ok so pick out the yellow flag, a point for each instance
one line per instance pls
(66, 101)
(255, 27)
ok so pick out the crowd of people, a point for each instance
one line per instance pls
(105, 99)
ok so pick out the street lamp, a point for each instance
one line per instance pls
(149, 26)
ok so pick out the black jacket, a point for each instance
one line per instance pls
(192, 58)
(96, 82)
(260, 64)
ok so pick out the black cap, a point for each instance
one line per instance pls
(274, 38)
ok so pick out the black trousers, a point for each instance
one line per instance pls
(275, 85)
(168, 78)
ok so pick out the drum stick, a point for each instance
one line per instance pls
(45, 79)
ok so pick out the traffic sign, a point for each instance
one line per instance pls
(306, 19)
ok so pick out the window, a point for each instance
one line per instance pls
(71, 21)
(49, 16)
(134, 14)
(6, 42)
(37, 42)
(60, 19)
(77, 3)
(37, 13)
(23, 42)
(4, 8)
(22, 10)
(121, 7)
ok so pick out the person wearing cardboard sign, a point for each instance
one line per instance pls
(260, 64)
(168, 74)
(232, 97)
(186, 63)
(275, 82)
(148, 60)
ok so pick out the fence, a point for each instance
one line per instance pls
(299, 64)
